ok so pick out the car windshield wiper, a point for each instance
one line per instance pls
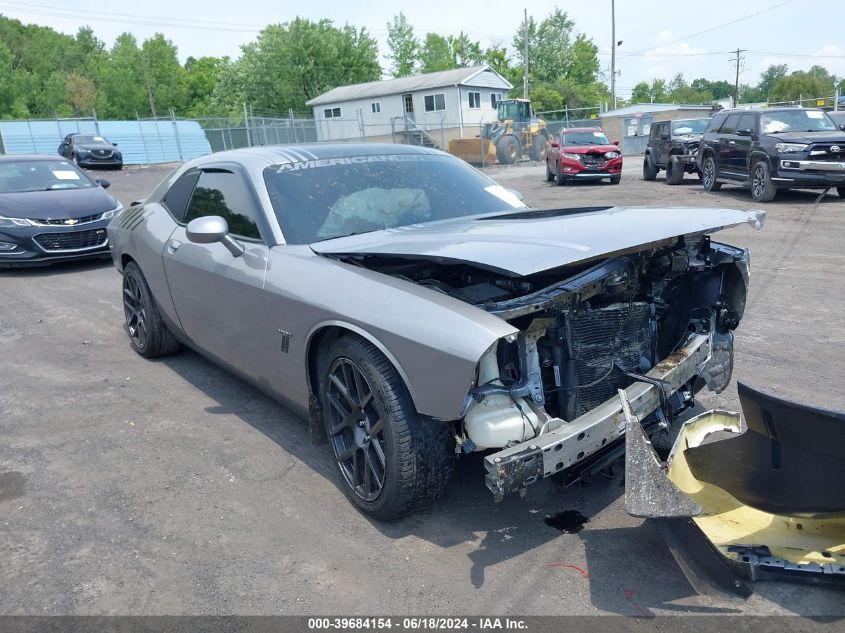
(337, 237)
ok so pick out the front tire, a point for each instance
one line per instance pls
(708, 175)
(507, 150)
(549, 175)
(841, 191)
(762, 188)
(560, 179)
(148, 335)
(392, 461)
(674, 171)
(649, 169)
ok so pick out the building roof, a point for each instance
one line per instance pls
(386, 87)
(652, 107)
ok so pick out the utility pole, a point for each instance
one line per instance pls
(525, 58)
(738, 59)
(149, 85)
(613, 53)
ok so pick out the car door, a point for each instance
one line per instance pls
(664, 141)
(728, 147)
(219, 298)
(742, 146)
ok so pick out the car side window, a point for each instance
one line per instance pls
(715, 123)
(746, 122)
(729, 126)
(177, 197)
(223, 193)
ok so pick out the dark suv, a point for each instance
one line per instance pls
(771, 149)
(673, 146)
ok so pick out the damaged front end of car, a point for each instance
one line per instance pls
(657, 323)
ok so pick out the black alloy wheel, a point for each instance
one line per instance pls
(708, 175)
(356, 429)
(133, 310)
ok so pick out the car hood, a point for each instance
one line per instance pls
(57, 204)
(93, 146)
(590, 149)
(810, 137)
(530, 241)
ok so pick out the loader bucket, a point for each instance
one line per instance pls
(476, 151)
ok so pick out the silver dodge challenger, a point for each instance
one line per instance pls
(413, 309)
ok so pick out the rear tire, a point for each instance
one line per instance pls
(841, 191)
(392, 461)
(539, 147)
(674, 171)
(762, 188)
(708, 175)
(649, 169)
(148, 335)
(507, 150)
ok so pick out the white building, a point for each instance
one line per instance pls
(428, 109)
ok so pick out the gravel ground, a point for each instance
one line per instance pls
(171, 487)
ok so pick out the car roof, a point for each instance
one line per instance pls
(13, 158)
(278, 154)
(581, 129)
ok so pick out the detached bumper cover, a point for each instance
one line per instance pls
(767, 502)
(516, 467)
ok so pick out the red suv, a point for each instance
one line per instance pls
(583, 153)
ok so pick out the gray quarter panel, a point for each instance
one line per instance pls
(141, 233)
(433, 340)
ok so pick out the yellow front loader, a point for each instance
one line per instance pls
(515, 135)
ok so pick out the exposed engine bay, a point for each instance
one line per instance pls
(586, 331)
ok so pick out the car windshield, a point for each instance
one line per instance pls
(89, 140)
(324, 199)
(585, 138)
(41, 175)
(796, 121)
(692, 126)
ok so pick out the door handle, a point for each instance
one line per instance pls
(173, 246)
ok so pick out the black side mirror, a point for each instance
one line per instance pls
(745, 131)
(105, 184)
(115, 144)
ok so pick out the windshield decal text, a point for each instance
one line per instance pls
(353, 160)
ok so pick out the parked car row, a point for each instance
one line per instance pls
(764, 150)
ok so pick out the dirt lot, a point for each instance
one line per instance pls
(137, 487)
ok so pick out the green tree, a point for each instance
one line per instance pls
(817, 83)
(404, 46)
(122, 84)
(290, 63)
(164, 76)
(770, 77)
(436, 54)
(201, 77)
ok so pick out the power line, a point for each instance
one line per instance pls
(712, 28)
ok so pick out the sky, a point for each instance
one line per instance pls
(659, 39)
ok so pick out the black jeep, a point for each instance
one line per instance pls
(774, 148)
(673, 146)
